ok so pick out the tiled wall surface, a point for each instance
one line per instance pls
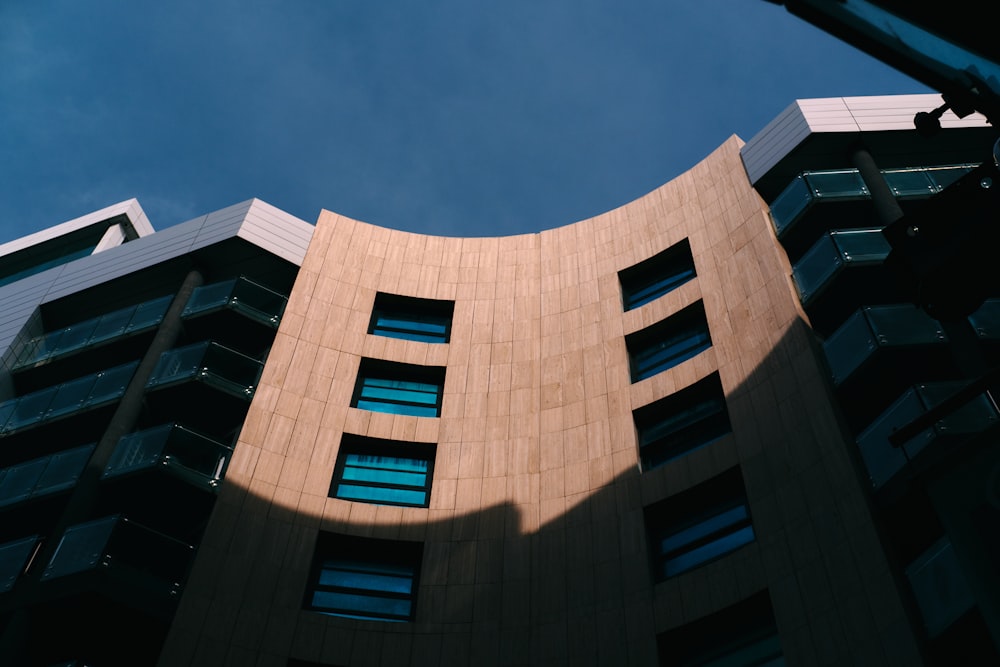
(534, 545)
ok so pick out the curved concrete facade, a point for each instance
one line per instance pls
(534, 542)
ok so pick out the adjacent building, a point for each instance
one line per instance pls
(665, 435)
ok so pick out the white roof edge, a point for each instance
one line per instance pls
(130, 208)
(277, 231)
(840, 114)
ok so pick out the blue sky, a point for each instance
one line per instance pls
(452, 117)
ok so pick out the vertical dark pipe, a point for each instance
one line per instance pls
(964, 342)
(886, 206)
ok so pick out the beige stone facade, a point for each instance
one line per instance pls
(534, 545)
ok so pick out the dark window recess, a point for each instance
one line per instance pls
(654, 277)
(364, 578)
(698, 525)
(668, 343)
(743, 634)
(401, 389)
(410, 318)
(383, 472)
(684, 421)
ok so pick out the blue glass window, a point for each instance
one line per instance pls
(668, 343)
(401, 389)
(654, 277)
(409, 318)
(698, 525)
(677, 424)
(383, 472)
(364, 578)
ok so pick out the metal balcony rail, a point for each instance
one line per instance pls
(97, 330)
(14, 558)
(84, 393)
(836, 251)
(171, 447)
(124, 547)
(211, 363)
(986, 320)
(43, 476)
(241, 295)
(875, 328)
(811, 187)
(939, 586)
(884, 460)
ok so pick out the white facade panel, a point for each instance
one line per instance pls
(129, 208)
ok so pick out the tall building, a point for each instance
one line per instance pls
(665, 435)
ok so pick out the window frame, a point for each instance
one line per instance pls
(712, 518)
(385, 374)
(391, 313)
(351, 445)
(678, 424)
(661, 274)
(746, 629)
(668, 343)
(359, 559)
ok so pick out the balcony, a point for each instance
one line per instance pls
(835, 252)
(43, 476)
(209, 363)
(90, 333)
(139, 560)
(986, 323)
(876, 329)
(812, 187)
(173, 449)
(940, 587)
(884, 461)
(14, 558)
(240, 295)
(65, 399)
(880, 351)
(843, 267)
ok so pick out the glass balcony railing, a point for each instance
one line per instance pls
(874, 328)
(940, 587)
(811, 187)
(836, 251)
(242, 295)
(92, 332)
(14, 558)
(174, 448)
(89, 391)
(43, 476)
(986, 320)
(884, 461)
(211, 363)
(124, 548)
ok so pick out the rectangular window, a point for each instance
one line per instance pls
(668, 343)
(401, 389)
(654, 277)
(743, 634)
(410, 318)
(364, 578)
(681, 422)
(383, 472)
(698, 525)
